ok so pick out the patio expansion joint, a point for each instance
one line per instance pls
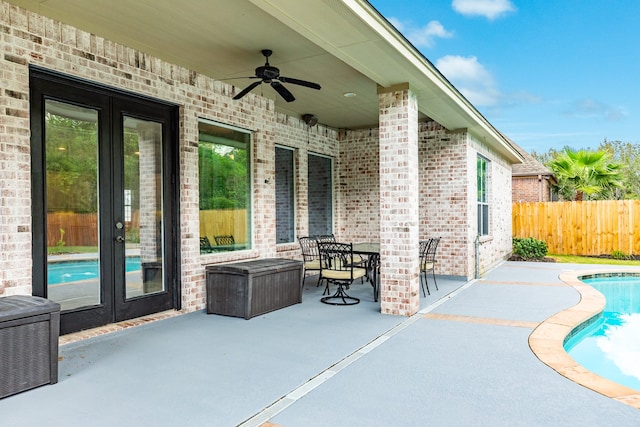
(441, 301)
(262, 417)
(511, 282)
(482, 320)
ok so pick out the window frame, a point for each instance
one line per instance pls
(483, 204)
(248, 147)
(292, 199)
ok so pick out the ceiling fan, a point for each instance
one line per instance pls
(270, 74)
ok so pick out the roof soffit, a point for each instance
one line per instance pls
(345, 45)
(356, 33)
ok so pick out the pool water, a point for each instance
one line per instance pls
(610, 346)
(74, 271)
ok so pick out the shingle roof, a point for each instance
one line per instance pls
(530, 167)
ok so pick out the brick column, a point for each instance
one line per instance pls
(264, 188)
(399, 201)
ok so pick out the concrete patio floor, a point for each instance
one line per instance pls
(464, 360)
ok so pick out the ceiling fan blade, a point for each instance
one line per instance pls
(283, 91)
(238, 78)
(299, 82)
(248, 89)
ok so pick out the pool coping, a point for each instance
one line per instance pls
(548, 338)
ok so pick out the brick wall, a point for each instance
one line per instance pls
(444, 194)
(294, 133)
(497, 245)
(358, 218)
(28, 38)
(447, 176)
(446, 179)
(531, 189)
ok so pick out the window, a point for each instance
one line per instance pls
(320, 195)
(285, 200)
(483, 201)
(225, 188)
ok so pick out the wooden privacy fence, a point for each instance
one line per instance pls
(595, 227)
(72, 229)
(79, 229)
(82, 229)
(224, 222)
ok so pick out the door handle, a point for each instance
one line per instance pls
(120, 239)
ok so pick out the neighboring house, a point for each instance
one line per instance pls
(117, 124)
(532, 181)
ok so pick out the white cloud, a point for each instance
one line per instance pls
(423, 36)
(590, 109)
(470, 78)
(490, 9)
(621, 345)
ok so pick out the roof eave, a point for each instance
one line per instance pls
(379, 51)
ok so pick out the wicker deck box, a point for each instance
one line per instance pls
(29, 332)
(248, 289)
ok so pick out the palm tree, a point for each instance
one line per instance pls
(586, 172)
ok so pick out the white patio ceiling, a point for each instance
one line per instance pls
(344, 45)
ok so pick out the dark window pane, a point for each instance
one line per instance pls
(320, 195)
(285, 211)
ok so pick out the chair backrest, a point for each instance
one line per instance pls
(309, 248)
(325, 238)
(424, 245)
(336, 256)
(205, 244)
(431, 249)
(224, 240)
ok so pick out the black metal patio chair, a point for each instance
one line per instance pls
(357, 259)
(224, 240)
(310, 256)
(336, 267)
(428, 249)
(205, 245)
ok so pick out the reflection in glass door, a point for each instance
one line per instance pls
(142, 198)
(104, 209)
(71, 146)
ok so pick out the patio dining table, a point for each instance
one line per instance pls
(372, 251)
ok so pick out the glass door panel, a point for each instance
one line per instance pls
(143, 216)
(71, 147)
(103, 213)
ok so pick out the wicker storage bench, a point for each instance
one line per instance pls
(29, 331)
(248, 289)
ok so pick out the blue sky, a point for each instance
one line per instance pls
(547, 74)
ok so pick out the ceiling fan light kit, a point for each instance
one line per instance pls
(271, 75)
(310, 119)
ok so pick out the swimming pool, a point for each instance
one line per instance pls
(610, 346)
(74, 271)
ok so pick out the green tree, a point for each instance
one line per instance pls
(629, 155)
(587, 175)
(549, 156)
(223, 176)
(71, 156)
